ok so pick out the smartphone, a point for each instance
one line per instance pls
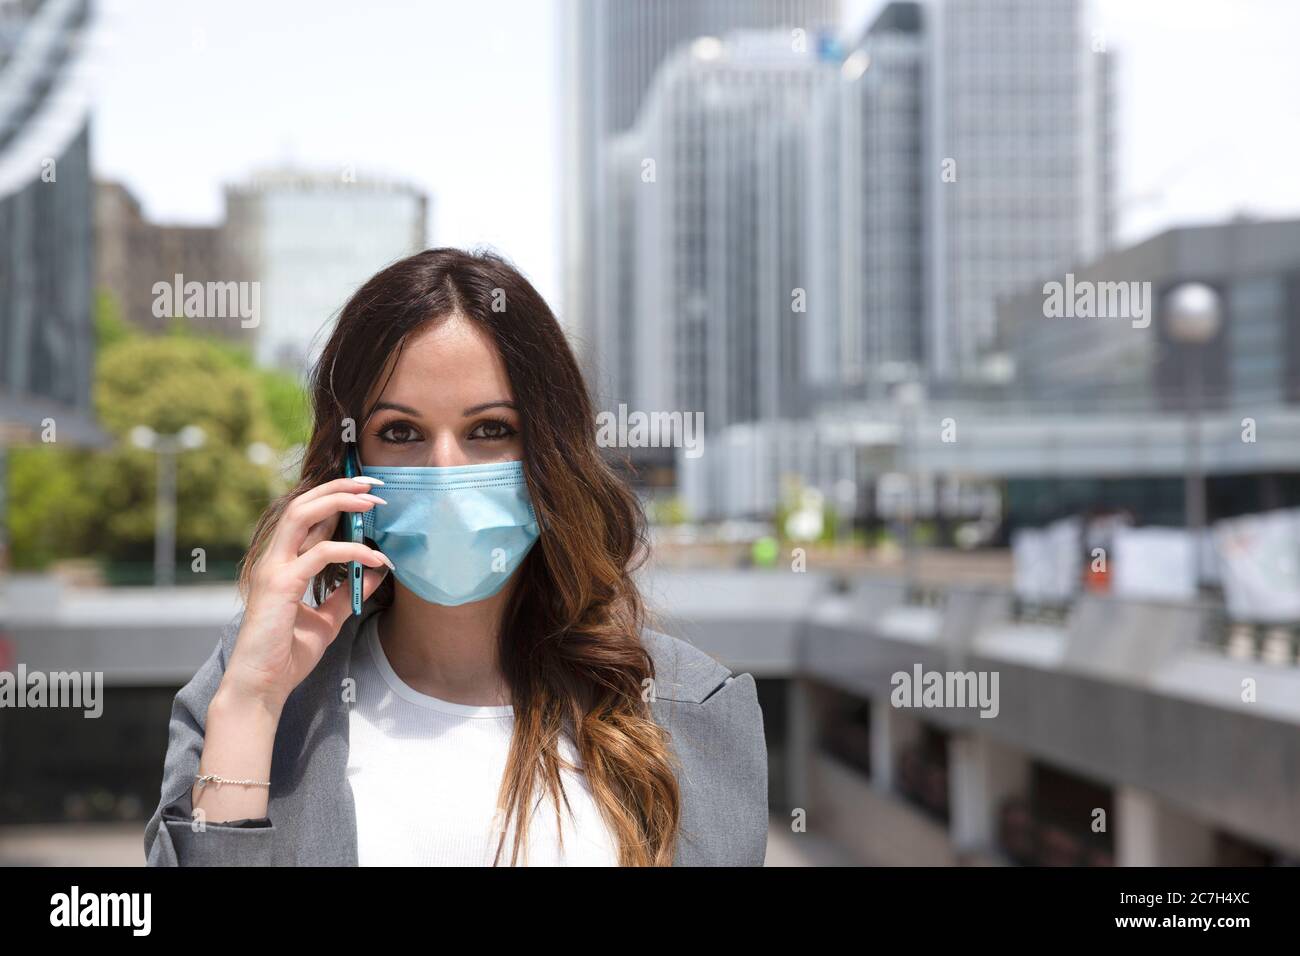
(352, 469)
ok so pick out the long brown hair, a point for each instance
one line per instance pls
(570, 641)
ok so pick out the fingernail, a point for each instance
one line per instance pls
(367, 480)
(387, 561)
(375, 498)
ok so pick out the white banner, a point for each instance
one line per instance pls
(1154, 563)
(1259, 561)
(1048, 562)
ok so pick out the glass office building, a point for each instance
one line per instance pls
(865, 208)
(1019, 159)
(46, 339)
(46, 331)
(311, 240)
(611, 50)
(716, 168)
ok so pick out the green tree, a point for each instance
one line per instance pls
(100, 503)
(285, 398)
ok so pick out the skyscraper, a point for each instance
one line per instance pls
(865, 207)
(963, 151)
(611, 50)
(717, 217)
(47, 336)
(1017, 162)
(311, 240)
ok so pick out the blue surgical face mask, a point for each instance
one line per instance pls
(455, 534)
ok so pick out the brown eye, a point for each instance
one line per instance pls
(493, 430)
(398, 433)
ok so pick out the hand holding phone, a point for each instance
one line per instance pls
(283, 635)
(352, 469)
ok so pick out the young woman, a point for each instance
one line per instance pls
(499, 699)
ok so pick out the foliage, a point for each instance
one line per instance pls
(75, 502)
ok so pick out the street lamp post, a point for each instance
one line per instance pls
(909, 395)
(166, 448)
(1193, 314)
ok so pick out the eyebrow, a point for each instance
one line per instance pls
(472, 410)
(499, 403)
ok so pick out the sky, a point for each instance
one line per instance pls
(461, 99)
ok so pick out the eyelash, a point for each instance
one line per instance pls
(509, 431)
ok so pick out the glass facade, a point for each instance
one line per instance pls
(724, 266)
(614, 53)
(46, 334)
(1018, 106)
(311, 241)
(1257, 356)
(866, 208)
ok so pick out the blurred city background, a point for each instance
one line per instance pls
(989, 311)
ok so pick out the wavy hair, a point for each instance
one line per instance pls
(570, 641)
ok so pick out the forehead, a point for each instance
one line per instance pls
(450, 361)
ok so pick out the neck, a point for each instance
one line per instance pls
(447, 652)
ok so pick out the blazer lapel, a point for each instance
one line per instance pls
(315, 720)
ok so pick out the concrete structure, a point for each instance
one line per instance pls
(1253, 361)
(311, 240)
(1099, 412)
(132, 254)
(1072, 455)
(1136, 698)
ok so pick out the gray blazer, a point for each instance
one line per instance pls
(713, 718)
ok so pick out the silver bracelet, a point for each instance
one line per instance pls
(205, 778)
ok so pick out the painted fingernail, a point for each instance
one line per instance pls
(375, 498)
(367, 480)
(387, 561)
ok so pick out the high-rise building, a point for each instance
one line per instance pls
(310, 241)
(702, 298)
(47, 336)
(964, 151)
(611, 50)
(1018, 160)
(865, 209)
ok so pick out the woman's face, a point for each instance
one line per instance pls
(448, 402)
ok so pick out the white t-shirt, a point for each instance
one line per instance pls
(425, 773)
